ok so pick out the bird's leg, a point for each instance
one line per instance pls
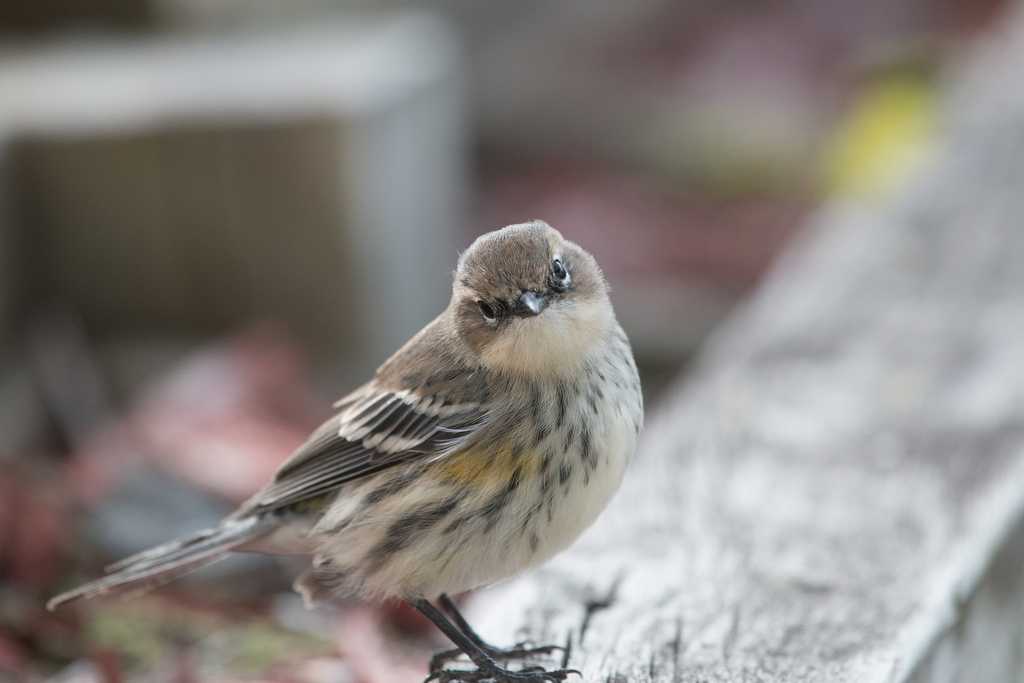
(486, 669)
(517, 652)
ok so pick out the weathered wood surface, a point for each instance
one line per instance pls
(837, 492)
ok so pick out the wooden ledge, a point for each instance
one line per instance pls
(836, 493)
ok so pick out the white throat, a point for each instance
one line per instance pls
(556, 341)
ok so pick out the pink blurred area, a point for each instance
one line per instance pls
(222, 420)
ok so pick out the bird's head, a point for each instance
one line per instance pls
(527, 301)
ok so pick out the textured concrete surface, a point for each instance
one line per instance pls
(836, 493)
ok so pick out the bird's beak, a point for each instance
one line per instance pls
(531, 303)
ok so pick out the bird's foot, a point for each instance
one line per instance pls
(533, 674)
(517, 652)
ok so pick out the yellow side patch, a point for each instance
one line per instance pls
(311, 505)
(482, 466)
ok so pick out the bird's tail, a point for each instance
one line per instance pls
(154, 567)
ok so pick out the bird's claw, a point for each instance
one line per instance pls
(518, 651)
(534, 674)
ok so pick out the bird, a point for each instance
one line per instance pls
(482, 448)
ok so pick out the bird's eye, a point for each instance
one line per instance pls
(485, 309)
(559, 270)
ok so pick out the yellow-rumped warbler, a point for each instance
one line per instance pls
(479, 450)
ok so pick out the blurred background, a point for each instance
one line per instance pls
(217, 217)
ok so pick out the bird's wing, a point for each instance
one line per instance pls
(374, 429)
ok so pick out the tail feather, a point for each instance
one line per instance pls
(227, 531)
(154, 567)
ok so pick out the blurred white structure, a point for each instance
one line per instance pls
(316, 174)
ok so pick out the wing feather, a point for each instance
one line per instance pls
(373, 431)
